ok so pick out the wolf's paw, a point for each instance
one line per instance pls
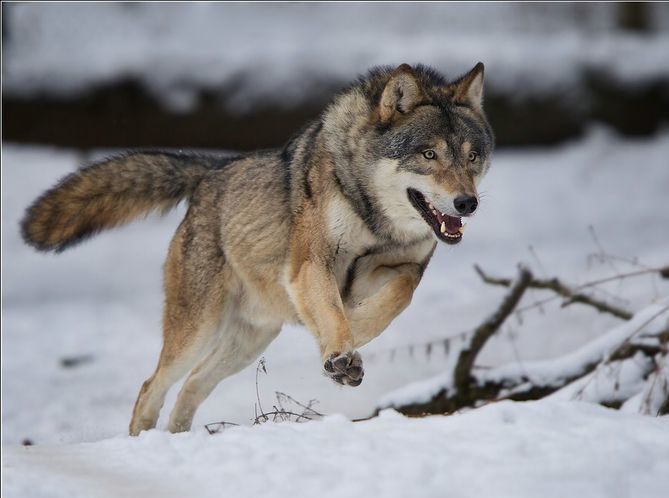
(345, 368)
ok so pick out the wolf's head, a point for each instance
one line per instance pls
(435, 137)
(425, 147)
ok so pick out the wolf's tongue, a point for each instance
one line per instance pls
(452, 223)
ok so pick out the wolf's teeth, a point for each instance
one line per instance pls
(442, 228)
(462, 228)
(430, 206)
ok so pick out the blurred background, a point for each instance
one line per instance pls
(578, 95)
(244, 76)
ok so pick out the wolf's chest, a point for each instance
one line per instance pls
(348, 236)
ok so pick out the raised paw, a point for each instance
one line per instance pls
(345, 368)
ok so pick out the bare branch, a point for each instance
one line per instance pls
(664, 407)
(463, 368)
(559, 288)
(663, 272)
(621, 276)
(627, 348)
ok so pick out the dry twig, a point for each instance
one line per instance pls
(279, 412)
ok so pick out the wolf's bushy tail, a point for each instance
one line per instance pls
(110, 193)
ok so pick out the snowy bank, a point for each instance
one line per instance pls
(514, 450)
(597, 372)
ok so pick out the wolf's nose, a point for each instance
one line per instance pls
(465, 204)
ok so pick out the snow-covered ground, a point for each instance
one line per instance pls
(103, 300)
(513, 450)
(282, 53)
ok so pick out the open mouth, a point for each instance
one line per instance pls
(447, 228)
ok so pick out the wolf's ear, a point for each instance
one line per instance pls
(401, 94)
(468, 89)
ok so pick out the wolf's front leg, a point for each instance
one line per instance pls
(376, 297)
(314, 292)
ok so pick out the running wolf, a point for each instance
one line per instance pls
(333, 231)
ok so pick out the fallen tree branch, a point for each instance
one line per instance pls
(626, 350)
(468, 387)
(561, 289)
(519, 387)
(463, 368)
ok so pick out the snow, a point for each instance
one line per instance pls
(620, 380)
(548, 449)
(283, 53)
(103, 299)
(648, 322)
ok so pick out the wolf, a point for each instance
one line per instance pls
(332, 231)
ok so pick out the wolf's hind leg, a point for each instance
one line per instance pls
(195, 277)
(171, 367)
(378, 297)
(239, 345)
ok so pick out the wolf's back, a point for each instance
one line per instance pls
(111, 193)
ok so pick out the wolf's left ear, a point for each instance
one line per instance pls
(469, 88)
(402, 93)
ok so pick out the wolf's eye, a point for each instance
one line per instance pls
(473, 156)
(429, 154)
